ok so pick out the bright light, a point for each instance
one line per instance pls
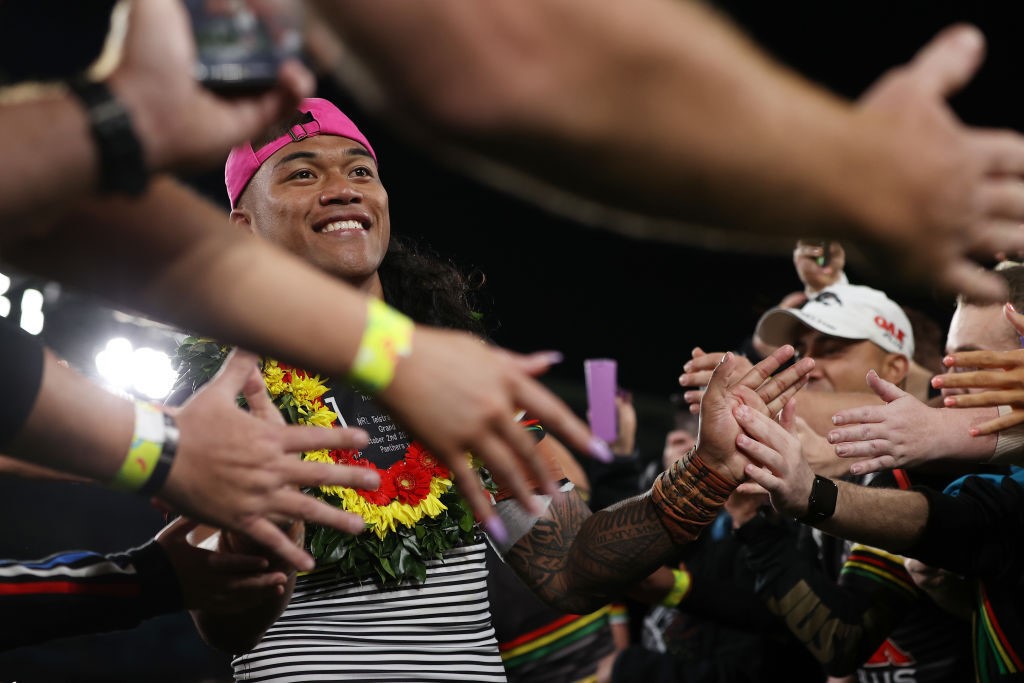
(5, 303)
(154, 376)
(145, 370)
(32, 311)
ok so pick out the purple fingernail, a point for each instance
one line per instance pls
(600, 450)
(553, 357)
(495, 528)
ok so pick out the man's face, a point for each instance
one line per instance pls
(839, 364)
(979, 328)
(321, 199)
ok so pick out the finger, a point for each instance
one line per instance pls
(304, 473)
(750, 488)
(750, 398)
(760, 427)
(270, 536)
(885, 390)
(253, 114)
(781, 386)
(759, 452)
(292, 504)
(1011, 419)
(962, 276)
(763, 477)
(1013, 397)
(534, 364)
(860, 415)
(979, 379)
(984, 359)
(869, 448)
(758, 374)
(704, 361)
(299, 438)
(1003, 151)
(559, 420)
(787, 419)
(776, 404)
(479, 501)
(511, 433)
(949, 61)
(696, 378)
(258, 398)
(1001, 199)
(885, 462)
(693, 396)
(508, 470)
(1015, 318)
(234, 373)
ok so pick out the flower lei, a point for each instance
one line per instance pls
(414, 516)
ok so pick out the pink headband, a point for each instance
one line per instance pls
(243, 161)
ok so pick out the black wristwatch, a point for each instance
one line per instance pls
(122, 166)
(821, 504)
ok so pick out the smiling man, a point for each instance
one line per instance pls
(408, 595)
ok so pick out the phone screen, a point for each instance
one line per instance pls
(240, 44)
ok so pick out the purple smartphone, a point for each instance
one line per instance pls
(600, 375)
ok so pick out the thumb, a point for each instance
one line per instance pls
(788, 416)
(234, 373)
(887, 391)
(1015, 318)
(949, 61)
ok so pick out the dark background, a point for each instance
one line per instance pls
(551, 283)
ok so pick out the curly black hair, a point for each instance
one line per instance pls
(430, 289)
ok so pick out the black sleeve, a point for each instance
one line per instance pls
(77, 592)
(22, 368)
(840, 625)
(979, 533)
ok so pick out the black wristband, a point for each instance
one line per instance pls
(122, 166)
(821, 504)
(162, 468)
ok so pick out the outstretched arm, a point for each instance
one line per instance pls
(578, 561)
(547, 93)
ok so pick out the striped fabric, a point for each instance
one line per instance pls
(877, 565)
(557, 644)
(337, 630)
(995, 654)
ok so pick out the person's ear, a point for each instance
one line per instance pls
(242, 218)
(894, 368)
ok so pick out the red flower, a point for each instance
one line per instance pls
(383, 495)
(412, 482)
(344, 457)
(421, 457)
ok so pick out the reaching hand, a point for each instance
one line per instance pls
(214, 580)
(966, 198)
(778, 464)
(697, 373)
(999, 375)
(728, 388)
(460, 396)
(182, 125)
(902, 433)
(236, 469)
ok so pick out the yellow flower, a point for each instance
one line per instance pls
(305, 390)
(321, 417)
(318, 456)
(273, 376)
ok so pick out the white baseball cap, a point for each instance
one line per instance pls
(846, 311)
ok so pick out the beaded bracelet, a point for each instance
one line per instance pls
(151, 454)
(386, 338)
